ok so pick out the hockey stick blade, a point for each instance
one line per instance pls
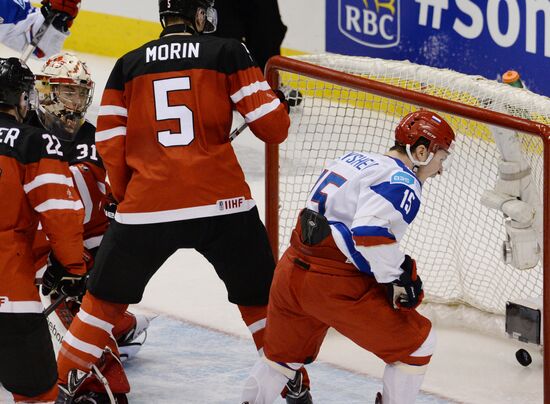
(29, 49)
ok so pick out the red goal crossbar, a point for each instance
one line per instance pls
(280, 63)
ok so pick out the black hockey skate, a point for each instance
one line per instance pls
(297, 392)
(378, 398)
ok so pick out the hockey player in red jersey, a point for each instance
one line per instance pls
(163, 134)
(65, 90)
(344, 268)
(35, 185)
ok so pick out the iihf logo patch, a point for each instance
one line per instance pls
(373, 23)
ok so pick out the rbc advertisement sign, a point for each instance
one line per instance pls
(484, 37)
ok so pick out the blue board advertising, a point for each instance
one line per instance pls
(484, 37)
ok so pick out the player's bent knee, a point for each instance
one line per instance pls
(264, 384)
(424, 353)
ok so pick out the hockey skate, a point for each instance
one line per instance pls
(93, 387)
(131, 341)
(378, 399)
(298, 393)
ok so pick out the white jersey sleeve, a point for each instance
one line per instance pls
(19, 22)
(369, 201)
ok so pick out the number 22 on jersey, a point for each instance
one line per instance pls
(327, 183)
(165, 111)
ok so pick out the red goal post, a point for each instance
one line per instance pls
(360, 100)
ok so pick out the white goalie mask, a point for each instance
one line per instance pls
(65, 91)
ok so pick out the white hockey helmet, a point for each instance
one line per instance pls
(65, 91)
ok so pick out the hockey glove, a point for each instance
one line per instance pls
(110, 206)
(406, 292)
(58, 279)
(282, 98)
(67, 10)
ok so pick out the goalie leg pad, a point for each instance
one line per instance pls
(521, 249)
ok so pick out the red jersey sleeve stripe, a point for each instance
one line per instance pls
(102, 135)
(58, 204)
(45, 179)
(262, 110)
(106, 110)
(245, 91)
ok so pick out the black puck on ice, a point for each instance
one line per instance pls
(523, 357)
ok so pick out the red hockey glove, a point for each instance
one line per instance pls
(67, 10)
(406, 292)
(70, 7)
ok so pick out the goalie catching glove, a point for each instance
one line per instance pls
(406, 292)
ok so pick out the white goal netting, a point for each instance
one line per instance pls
(456, 241)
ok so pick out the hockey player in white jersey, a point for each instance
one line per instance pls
(20, 22)
(344, 268)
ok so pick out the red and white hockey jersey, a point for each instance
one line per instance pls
(88, 176)
(35, 185)
(164, 123)
(369, 200)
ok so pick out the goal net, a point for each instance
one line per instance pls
(456, 241)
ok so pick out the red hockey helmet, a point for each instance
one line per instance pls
(425, 124)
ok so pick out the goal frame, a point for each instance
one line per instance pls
(281, 63)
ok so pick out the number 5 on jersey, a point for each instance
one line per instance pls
(164, 111)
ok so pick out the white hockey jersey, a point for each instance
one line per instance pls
(369, 200)
(19, 22)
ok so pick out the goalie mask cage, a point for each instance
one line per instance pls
(354, 104)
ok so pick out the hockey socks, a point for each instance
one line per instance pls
(88, 337)
(254, 317)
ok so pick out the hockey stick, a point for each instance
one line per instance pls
(29, 49)
(50, 309)
(237, 131)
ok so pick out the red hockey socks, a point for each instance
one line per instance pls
(254, 317)
(89, 334)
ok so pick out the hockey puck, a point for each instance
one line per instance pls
(523, 357)
(294, 98)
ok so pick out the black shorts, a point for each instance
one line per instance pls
(236, 245)
(27, 365)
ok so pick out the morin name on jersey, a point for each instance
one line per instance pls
(171, 51)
